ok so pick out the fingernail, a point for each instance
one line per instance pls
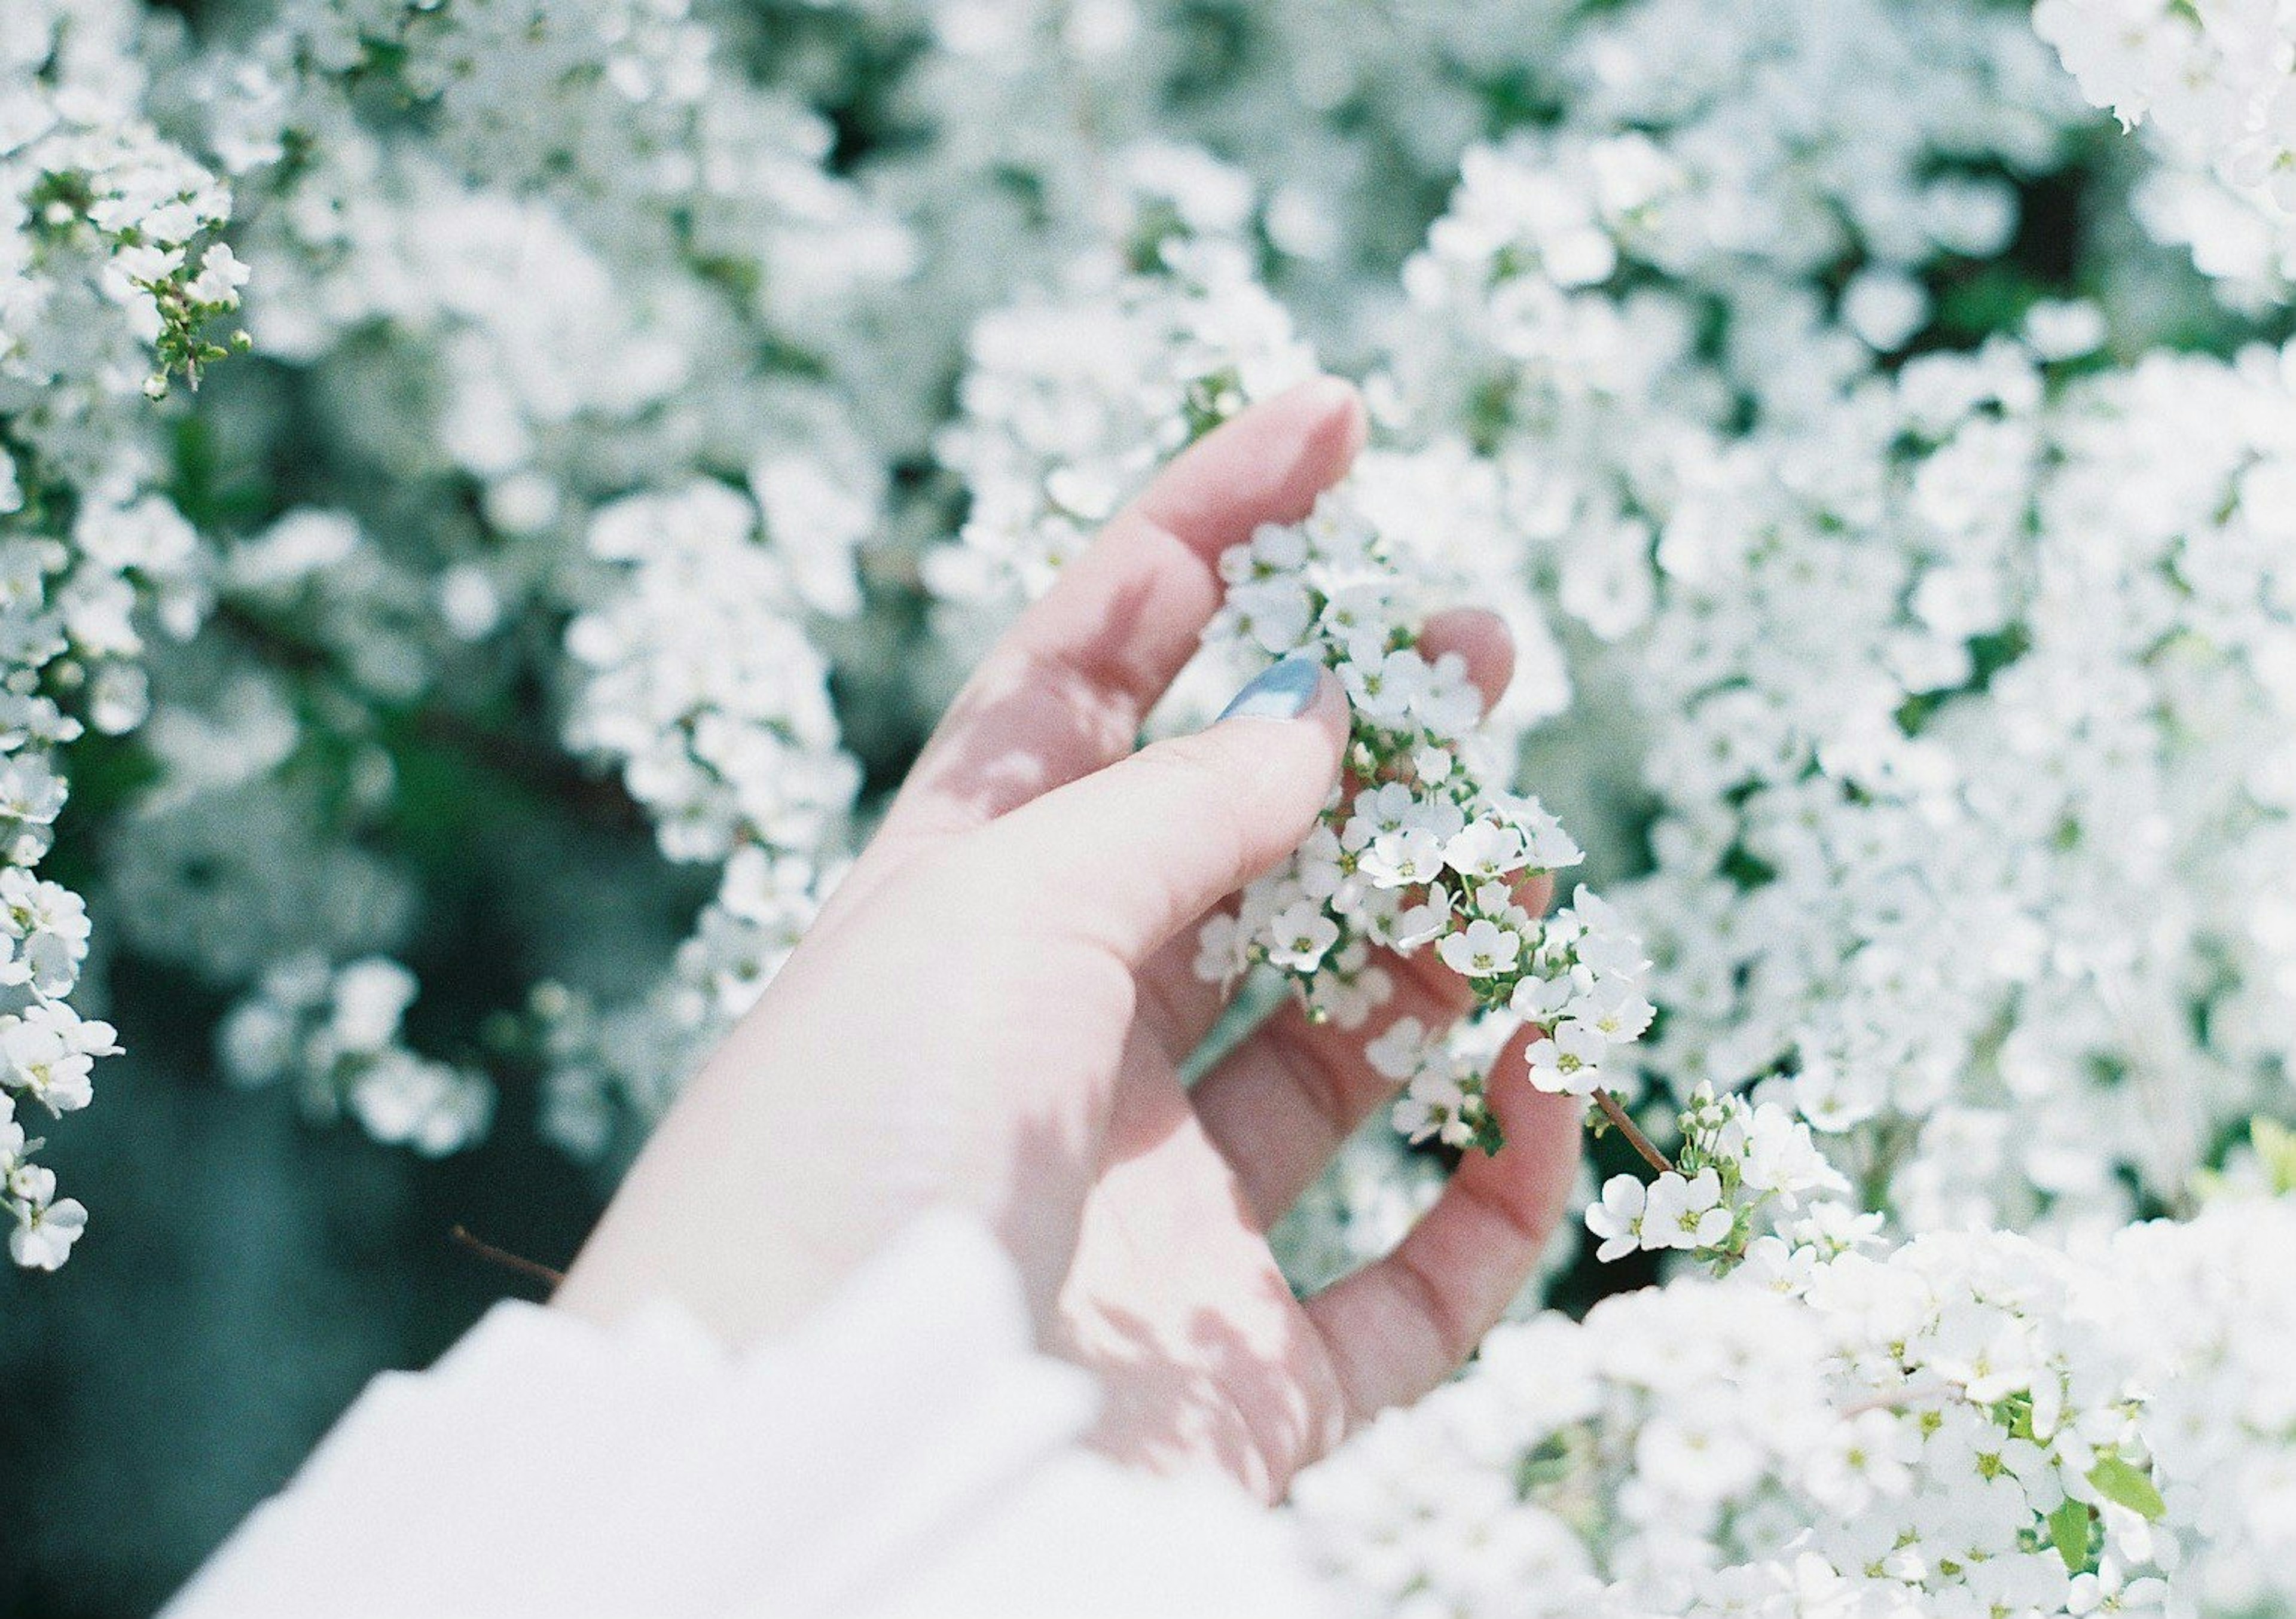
(1281, 691)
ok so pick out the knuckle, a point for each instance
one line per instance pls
(1195, 778)
(1196, 764)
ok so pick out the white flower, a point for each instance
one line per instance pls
(44, 1235)
(44, 1059)
(1685, 1212)
(1541, 1001)
(1221, 946)
(1615, 1218)
(1613, 1009)
(221, 276)
(370, 998)
(1397, 1054)
(1779, 1155)
(1299, 938)
(1434, 1105)
(1274, 614)
(1570, 1061)
(1482, 948)
(1401, 859)
(1384, 690)
(1485, 850)
(430, 1107)
(1413, 925)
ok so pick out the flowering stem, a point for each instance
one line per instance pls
(1627, 1128)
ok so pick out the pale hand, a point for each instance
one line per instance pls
(992, 1009)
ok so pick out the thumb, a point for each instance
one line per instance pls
(1128, 855)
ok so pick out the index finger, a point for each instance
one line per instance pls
(1065, 691)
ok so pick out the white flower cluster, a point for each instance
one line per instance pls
(1779, 146)
(2211, 83)
(1931, 706)
(1421, 851)
(108, 257)
(2207, 86)
(1063, 125)
(1071, 402)
(1737, 1159)
(1795, 172)
(1970, 1425)
(2206, 1301)
(49, 1051)
(707, 692)
(624, 114)
(1823, 610)
(334, 1035)
(108, 277)
(703, 685)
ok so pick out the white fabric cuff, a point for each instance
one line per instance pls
(906, 1451)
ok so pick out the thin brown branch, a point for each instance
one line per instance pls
(1627, 1128)
(508, 1260)
(538, 767)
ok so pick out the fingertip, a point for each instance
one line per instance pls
(1266, 465)
(1481, 638)
(1331, 708)
(1332, 427)
(1295, 688)
(1333, 713)
(1134, 851)
(1336, 405)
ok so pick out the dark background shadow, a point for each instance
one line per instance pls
(242, 1276)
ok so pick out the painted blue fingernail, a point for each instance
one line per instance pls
(1281, 691)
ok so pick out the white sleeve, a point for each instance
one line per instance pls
(905, 1454)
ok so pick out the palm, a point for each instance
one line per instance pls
(1175, 1301)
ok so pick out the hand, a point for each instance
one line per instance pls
(993, 1008)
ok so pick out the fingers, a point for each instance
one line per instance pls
(1128, 855)
(1399, 1326)
(1063, 693)
(1280, 1103)
(1180, 1006)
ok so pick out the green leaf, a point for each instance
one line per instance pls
(2275, 1149)
(2117, 1481)
(2069, 1529)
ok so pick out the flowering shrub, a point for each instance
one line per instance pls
(470, 681)
(1966, 1424)
(109, 276)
